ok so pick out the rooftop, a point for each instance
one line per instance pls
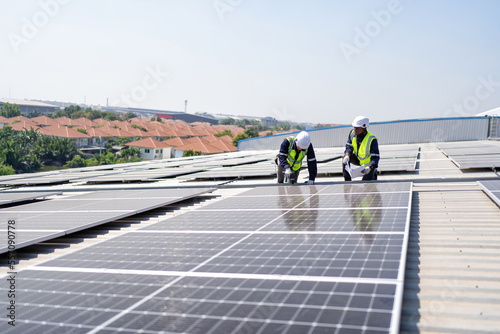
(451, 271)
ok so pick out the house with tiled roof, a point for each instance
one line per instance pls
(151, 149)
(196, 144)
(44, 121)
(3, 120)
(98, 136)
(175, 142)
(84, 121)
(63, 120)
(59, 130)
(116, 132)
(21, 125)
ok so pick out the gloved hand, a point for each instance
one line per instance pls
(309, 182)
(366, 170)
(288, 172)
(345, 160)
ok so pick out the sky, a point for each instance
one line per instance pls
(321, 61)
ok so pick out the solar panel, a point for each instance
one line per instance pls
(492, 189)
(12, 197)
(483, 161)
(142, 175)
(399, 164)
(266, 169)
(304, 269)
(42, 221)
(477, 154)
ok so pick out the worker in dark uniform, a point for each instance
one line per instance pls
(292, 152)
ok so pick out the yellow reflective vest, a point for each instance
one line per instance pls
(362, 151)
(294, 160)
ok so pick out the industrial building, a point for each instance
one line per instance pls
(27, 106)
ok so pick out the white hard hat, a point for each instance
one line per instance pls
(361, 122)
(303, 140)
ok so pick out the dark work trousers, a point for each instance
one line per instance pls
(294, 176)
(372, 176)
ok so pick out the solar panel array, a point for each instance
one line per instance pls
(480, 154)
(310, 259)
(492, 189)
(50, 219)
(393, 158)
(145, 171)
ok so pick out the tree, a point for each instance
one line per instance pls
(239, 136)
(10, 110)
(76, 162)
(120, 141)
(78, 114)
(129, 115)
(223, 133)
(227, 121)
(6, 170)
(135, 126)
(92, 114)
(34, 113)
(190, 153)
(128, 154)
(285, 126)
(251, 132)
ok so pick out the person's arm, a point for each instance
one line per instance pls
(348, 146)
(375, 154)
(284, 154)
(312, 165)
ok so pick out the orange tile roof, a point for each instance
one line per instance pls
(203, 148)
(63, 120)
(21, 118)
(99, 121)
(226, 147)
(197, 144)
(84, 121)
(59, 130)
(44, 120)
(148, 143)
(93, 132)
(4, 120)
(117, 132)
(20, 126)
(174, 142)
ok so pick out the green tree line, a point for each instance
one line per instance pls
(74, 111)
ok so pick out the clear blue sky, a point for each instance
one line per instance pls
(306, 61)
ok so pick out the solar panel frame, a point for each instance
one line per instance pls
(7, 197)
(484, 161)
(492, 189)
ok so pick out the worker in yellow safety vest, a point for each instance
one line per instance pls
(361, 150)
(292, 151)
